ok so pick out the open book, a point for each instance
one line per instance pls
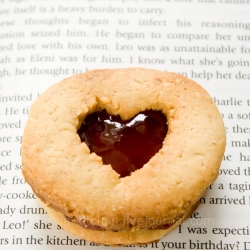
(42, 42)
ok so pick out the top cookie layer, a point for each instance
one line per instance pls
(66, 176)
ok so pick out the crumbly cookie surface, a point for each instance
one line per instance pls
(74, 182)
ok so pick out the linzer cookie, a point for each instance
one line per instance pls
(122, 156)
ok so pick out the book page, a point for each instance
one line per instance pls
(43, 42)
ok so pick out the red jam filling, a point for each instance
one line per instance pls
(125, 145)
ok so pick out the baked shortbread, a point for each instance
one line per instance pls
(89, 198)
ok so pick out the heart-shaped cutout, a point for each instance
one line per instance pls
(125, 145)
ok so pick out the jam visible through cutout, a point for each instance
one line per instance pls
(125, 145)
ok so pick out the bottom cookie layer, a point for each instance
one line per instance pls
(115, 238)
